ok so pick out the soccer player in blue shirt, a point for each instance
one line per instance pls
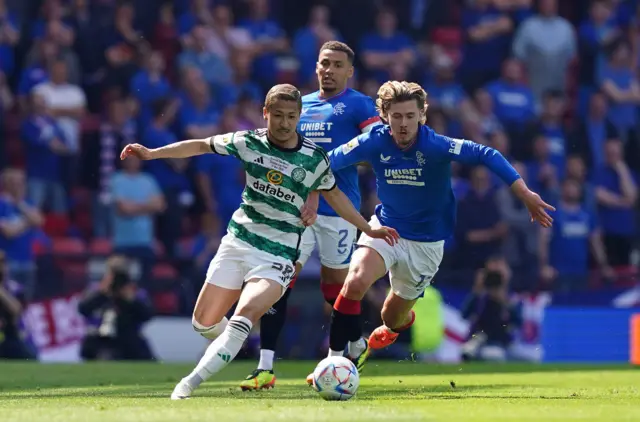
(412, 164)
(331, 117)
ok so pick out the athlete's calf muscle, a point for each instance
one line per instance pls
(367, 266)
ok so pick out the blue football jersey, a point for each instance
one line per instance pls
(332, 122)
(414, 184)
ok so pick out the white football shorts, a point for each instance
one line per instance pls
(411, 265)
(335, 238)
(237, 262)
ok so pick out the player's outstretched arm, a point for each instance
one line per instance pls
(472, 153)
(345, 209)
(536, 206)
(182, 149)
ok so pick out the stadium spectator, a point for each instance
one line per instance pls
(619, 82)
(492, 318)
(596, 34)
(269, 41)
(149, 84)
(487, 39)
(38, 63)
(9, 37)
(308, 40)
(521, 242)
(48, 146)
(226, 39)
(19, 221)
(220, 181)
(67, 104)
(513, 100)
(124, 43)
(12, 302)
(101, 152)
(446, 93)
(387, 50)
(546, 44)
(617, 195)
(137, 199)
(489, 122)
(165, 39)
(543, 173)
(577, 170)
(115, 312)
(593, 131)
(170, 175)
(479, 230)
(551, 126)
(242, 84)
(199, 115)
(198, 13)
(213, 68)
(564, 250)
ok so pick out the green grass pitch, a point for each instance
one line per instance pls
(389, 391)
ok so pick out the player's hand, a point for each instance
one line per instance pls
(389, 235)
(538, 209)
(136, 150)
(309, 211)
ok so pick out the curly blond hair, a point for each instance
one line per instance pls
(392, 92)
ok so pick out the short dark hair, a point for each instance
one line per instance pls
(339, 46)
(284, 92)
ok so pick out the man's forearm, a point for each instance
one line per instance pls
(345, 209)
(183, 149)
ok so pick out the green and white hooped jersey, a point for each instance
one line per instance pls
(278, 183)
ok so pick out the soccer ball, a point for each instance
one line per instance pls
(336, 378)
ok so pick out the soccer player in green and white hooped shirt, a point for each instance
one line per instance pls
(264, 235)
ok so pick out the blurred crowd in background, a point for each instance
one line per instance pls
(551, 84)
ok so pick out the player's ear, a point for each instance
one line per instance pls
(350, 72)
(265, 112)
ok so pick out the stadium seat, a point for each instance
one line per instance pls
(449, 37)
(164, 272)
(68, 246)
(56, 225)
(165, 303)
(100, 247)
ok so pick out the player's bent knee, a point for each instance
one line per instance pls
(356, 285)
(210, 332)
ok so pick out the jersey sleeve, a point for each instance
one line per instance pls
(469, 152)
(325, 180)
(358, 150)
(367, 115)
(226, 144)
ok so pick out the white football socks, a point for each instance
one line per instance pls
(221, 351)
(356, 348)
(336, 353)
(266, 359)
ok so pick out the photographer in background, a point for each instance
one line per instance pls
(12, 345)
(115, 312)
(490, 315)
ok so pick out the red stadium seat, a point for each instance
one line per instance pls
(164, 272)
(68, 246)
(56, 225)
(447, 37)
(100, 247)
(165, 303)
